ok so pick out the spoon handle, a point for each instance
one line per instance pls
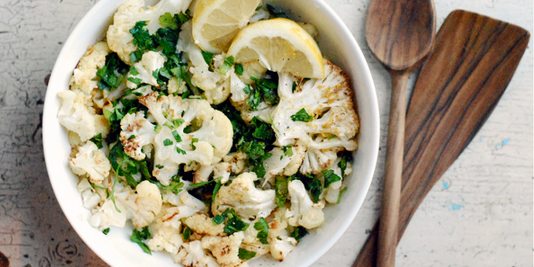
(389, 214)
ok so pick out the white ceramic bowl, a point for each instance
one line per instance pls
(336, 43)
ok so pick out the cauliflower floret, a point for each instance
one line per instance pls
(119, 38)
(76, 117)
(303, 211)
(150, 62)
(164, 238)
(279, 241)
(251, 241)
(176, 85)
(216, 86)
(148, 204)
(334, 125)
(202, 174)
(263, 112)
(237, 89)
(115, 212)
(280, 163)
(222, 170)
(165, 231)
(84, 77)
(183, 198)
(241, 195)
(142, 131)
(202, 224)
(89, 197)
(252, 69)
(208, 138)
(90, 162)
(225, 249)
(196, 256)
(238, 161)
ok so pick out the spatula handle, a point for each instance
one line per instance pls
(389, 213)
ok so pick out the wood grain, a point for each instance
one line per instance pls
(400, 34)
(474, 60)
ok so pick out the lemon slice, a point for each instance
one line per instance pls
(216, 22)
(280, 45)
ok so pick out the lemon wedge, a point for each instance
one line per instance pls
(216, 22)
(280, 45)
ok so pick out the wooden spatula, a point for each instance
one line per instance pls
(473, 61)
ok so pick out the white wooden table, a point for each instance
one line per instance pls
(478, 214)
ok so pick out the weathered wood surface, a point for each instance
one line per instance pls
(479, 213)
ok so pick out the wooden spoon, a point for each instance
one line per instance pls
(474, 60)
(400, 34)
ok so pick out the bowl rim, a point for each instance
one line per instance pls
(49, 112)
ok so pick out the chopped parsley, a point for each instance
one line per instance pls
(208, 57)
(227, 65)
(176, 136)
(167, 142)
(263, 230)
(233, 222)
(175, 186)
(302, 115)
(341, 194)
(187, 233)
(106, 231)
(112, 73)
(216, 190)
(288, 151)
(330, 177)
(312, 184)
(268, 88)
(298, 233)
(193, 141)
(180, 151)
(245, 254)
(139, 236)
(127, 167)
(167, 20)
(97, 140)
(239, 69)
(280, 187)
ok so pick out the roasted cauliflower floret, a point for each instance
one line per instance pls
(202, 224)
(216, 85)
(115, 212)
(279, 241)
(90, 162)
(319, 114)
(225, 249)
(84, 77)
(136, 133)
(191, 131)
(283, 162)
(303, 211)
(241, 195)
(148, 204)
(89, 197)
(193, 255)
(119, 38)
(76, 117)
(145, 68)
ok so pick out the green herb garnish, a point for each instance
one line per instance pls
(139, 236)
(245, 254)
(263, 229)
(302, 115)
